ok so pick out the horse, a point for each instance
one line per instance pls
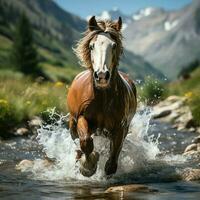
(101, 97)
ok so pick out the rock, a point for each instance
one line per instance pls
(192, 129)
(185, 118)
(198, 147)
(191, 147)
(174, 110)
(191, 174)
(198, 130)
(194, 154)
(46, 163)
(24, 165)
(192, 150)
(130, 188)
(162, 113)
(174, 98)
(196, 140)
(22, 132)
(35, 123)
(38, 164)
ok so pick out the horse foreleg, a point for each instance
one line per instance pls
(72, 127)
(88, 163)
(86, 141)
(116, 143)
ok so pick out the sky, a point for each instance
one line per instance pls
(84, 8)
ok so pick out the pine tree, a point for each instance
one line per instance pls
(24, 55)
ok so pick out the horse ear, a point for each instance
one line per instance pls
(92, 24)
(119, 24)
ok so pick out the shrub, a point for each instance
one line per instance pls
(152, 91)
(7, 115)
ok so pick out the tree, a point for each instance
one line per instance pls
(24, 55)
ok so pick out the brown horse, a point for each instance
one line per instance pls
(100, 98)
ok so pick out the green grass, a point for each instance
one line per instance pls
(66, 74)
(191, 89)
(21, 98)
(5, 45)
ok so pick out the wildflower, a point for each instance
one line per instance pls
(28, 103)
(3, 102)
(188, 94)
(59, 84)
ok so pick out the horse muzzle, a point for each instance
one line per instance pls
(102, 79)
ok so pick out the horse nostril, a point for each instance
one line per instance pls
(107, 75)
(96, 76)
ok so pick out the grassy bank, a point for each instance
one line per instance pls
(21, 98)
(189, 88)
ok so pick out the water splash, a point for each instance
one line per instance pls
(57, 144)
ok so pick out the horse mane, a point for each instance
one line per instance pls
(82, 50)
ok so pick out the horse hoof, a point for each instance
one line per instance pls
(89, 166)
(110, 168)
(79, 154)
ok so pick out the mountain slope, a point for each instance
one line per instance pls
(55, 31)
(137, 67)
(169, 40)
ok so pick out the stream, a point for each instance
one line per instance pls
(151, 155)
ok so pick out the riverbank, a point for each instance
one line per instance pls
(22, 99)
(176, 111)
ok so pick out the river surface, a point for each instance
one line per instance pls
(151, 155)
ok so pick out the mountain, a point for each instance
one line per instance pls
(169, 40)
(114, 14)
(137, 67)
(55, 32)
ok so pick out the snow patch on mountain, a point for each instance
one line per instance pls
(168, 26)
(104, 15)
(114, 14)
(143, 13)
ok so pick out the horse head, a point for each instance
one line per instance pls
(100, 49)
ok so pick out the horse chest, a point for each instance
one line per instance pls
(102, 115)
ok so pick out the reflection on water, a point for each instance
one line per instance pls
(151, 154)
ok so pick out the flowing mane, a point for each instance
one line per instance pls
(82, 50)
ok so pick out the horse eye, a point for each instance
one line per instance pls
(114, 46)
(91, 47)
